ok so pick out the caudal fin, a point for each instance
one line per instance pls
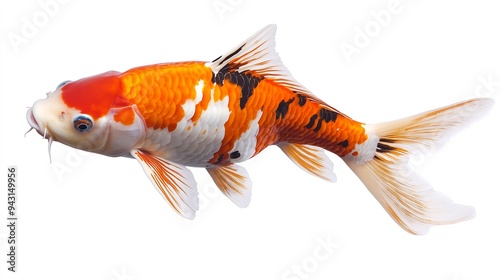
(383, 165)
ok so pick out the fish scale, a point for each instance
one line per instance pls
(179, 80)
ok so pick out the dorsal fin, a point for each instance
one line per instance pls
(257, 56)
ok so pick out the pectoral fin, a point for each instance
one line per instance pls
(174, 181)
(234, 183)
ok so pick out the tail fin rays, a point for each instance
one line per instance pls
(409, 199)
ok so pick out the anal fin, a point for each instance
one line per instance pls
(233, 181)
(174, 181)
(311, 159)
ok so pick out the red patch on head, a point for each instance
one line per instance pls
(94, 95)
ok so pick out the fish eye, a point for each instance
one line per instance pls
(62, 84)
(83, 123)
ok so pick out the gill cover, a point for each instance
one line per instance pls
(126, 129)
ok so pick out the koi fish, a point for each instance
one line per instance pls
(220, 113)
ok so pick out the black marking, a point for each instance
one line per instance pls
(216, 59)
(220, 76)
(387, 140)
(344, 143)
(247, 83)
(283, 108)
(220, 159)
(327, 116)
(312, 120)
(302, 100)
(383, 148)
(231, 54)
(235, 154)
(318, 126)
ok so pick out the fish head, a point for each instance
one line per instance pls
(89, 114)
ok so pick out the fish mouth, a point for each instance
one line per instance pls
(41, 129)
(30, 117)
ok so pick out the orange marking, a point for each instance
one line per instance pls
(291, 128)
(159, 91)
(239, 120)
(125, 116)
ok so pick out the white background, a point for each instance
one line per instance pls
(102, 219)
